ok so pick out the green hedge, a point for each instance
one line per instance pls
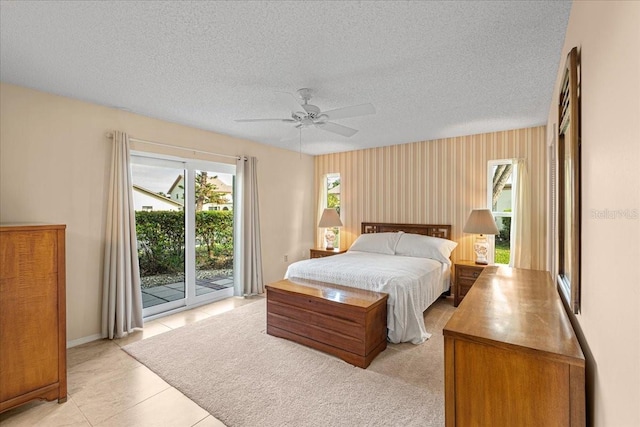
(161, 241)
(214, 240)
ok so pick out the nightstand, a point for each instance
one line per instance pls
(321, 253)
(466, 273)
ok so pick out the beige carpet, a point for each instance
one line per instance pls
(244, 377)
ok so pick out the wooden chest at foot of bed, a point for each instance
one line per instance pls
(346, 322)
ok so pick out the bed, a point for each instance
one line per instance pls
(409, 262)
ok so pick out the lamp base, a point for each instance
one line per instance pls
(329, 237)
(481, 248)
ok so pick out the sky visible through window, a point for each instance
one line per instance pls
(159, 180)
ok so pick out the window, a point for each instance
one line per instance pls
(331, 190)
(568, 183)
(500, 186)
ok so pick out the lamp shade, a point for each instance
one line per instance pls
(480, 222)
(330, 218)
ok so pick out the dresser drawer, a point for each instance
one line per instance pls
(315, 254)
(321, 253)
(464, 285)
(465, 272)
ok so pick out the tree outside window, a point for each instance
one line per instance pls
(206, 191)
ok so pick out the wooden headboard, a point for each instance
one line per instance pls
(435, 230)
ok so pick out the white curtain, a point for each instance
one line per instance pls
(121, 295)
(521, 222)
(247, 252)
(322, 203)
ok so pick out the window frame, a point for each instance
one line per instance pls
(490, 165)
(189, 168)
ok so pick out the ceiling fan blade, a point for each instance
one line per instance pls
(353, 111)
(293, 103)
(336, 128)
(265, 120)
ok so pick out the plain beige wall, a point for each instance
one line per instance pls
(436, 182)
(607, 35)
(55, 161)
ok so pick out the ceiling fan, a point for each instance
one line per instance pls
(306, 115)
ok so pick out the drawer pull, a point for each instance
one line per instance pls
(475, 274)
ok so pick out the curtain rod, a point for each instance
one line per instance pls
(110, 135)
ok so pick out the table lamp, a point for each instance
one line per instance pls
(481, 222)
(329, 220)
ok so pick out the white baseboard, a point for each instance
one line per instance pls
(83, 340)
(223, 294)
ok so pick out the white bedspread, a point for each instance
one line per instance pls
(413, 284)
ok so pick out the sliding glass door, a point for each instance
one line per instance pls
(184, 223)
(214, 231)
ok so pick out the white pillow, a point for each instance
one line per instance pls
(417, 245)
(381, 243)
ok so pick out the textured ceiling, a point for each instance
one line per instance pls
(431, 69)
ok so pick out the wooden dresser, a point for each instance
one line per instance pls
(511, 355)
(347, 322)
(33, 362)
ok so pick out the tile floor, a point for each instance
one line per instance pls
(107, 387)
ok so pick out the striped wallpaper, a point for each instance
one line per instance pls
(435, 182)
